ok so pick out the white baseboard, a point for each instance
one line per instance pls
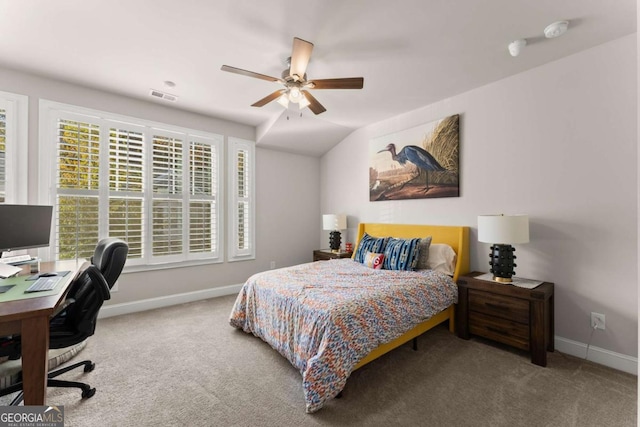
(159, 302)
(614, 360)
(598, 355)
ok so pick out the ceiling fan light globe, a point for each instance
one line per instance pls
(283, 100)
(303, 103)
(294, 94)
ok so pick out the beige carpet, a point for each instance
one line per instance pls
(185, 366)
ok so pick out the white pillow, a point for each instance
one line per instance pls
(442, 258)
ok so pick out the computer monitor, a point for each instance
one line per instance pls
(24, 226)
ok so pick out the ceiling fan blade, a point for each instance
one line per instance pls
(300, 56)
(345, 83)
(314, 105)
(248, 73)
(267, 99)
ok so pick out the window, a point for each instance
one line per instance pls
(13, 148)
(241, 200)
(155, 186)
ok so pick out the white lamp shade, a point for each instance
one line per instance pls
(334, 222)
(503, 229)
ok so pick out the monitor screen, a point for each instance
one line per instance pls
(24, 226)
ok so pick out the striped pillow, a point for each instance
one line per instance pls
(401, 254)
(423, 254)
(370, 244)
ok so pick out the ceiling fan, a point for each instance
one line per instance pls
(294, 80)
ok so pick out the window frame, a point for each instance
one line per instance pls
(17, 153)
(51, 112)
(234, 146)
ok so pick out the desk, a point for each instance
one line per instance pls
(30, 318)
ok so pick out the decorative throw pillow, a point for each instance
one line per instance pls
(373, 260)
(442, 258)
(423, 253)
(401, 254)
(369, 244)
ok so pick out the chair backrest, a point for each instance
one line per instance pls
(110, 256)
(77, 322)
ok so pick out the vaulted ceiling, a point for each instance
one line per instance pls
(411, 53)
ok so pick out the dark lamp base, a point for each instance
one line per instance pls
(502, 265)
(334, 241)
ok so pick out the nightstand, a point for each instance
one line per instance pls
(519, 317)
(326, 254)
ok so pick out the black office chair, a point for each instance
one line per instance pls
(109, 256)
(75, 320)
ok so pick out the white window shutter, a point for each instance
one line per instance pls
(77, 202)
(3, 154)
(241, 200)
(13, 148)
(204, 170)
(166, 209)
(126, 188)
(155, 186)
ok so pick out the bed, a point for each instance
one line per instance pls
(329, 318)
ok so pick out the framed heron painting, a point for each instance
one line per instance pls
(417, 163)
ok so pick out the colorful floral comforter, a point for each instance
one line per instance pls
(324, 317)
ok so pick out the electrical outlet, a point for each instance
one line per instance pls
(272, 265)
(597, 321)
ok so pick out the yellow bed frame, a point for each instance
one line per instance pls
(455, 236)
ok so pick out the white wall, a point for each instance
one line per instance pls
(287, 188)
(559, 143)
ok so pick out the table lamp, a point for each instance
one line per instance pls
(334, 223)
(502, 231)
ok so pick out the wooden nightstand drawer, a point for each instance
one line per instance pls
(516, 316)
(502, 330)
(498, 305)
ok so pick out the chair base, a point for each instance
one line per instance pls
(87, 390)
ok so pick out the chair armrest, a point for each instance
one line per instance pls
(98, 282)
(90, 276)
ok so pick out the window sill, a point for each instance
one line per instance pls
(169, 265)
(240, 258)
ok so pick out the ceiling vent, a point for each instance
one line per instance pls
(162, 95)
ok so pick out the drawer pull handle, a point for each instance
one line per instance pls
(497, 331)
(497, 307)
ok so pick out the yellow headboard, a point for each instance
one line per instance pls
(455, 236)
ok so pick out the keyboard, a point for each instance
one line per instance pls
(14, 259)
(44, 284)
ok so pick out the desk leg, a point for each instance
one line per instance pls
(35, 347)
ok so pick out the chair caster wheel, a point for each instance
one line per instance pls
(88, 393)
(89, 368)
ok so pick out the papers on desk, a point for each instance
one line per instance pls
(7, 270)
(516, 281)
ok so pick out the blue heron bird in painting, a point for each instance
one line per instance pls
(416, 155)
